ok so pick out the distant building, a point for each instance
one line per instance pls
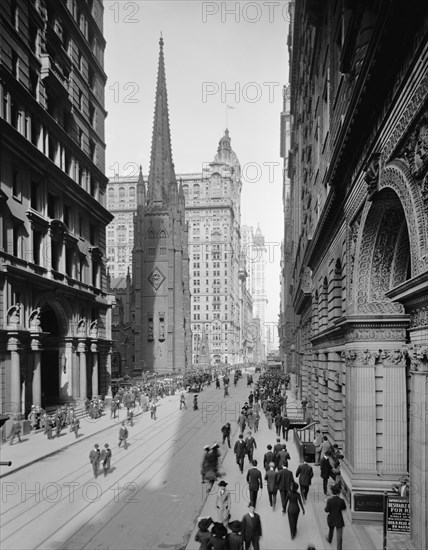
(55, 315)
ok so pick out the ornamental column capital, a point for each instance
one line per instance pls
(13, 342)
(359, 357)
(81, 345)
(417, 355)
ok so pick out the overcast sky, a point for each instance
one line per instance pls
(216, 54)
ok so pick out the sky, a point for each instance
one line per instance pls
(226, 64)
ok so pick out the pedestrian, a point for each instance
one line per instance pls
(305, 474)
(123, 436)
(15, 430)
(284, 480)
(255, 482)
(272, 489)
(250, 445)
(234, 539)
(153, 408)
(94, 459)
(317, 443)
(278, 423)
(49, 427)
(226, 390)
(226, 433)
(205, 462)
(182, 401)
(218, 537)
(325, 446)
(294, 501)
(106, 458)
(195, 402)
(75, 427)
(239, 451)
(203, 535)
(268, 457)
(285, 425)
(251, 529)
(242, 422)
(282, 457)
(325, 471)
(223, 503)
(334, 507)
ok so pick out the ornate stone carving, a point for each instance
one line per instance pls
(156, 278)
(82, 327)
(375, 334)
(14, 315)
(150, 328)
(418, 357)
(94, 329)
(419, 317)
(34, 320)
(359, 358)
(372, 173)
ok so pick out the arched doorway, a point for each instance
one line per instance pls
(50, 356)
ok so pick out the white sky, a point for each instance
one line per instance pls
(212, 50)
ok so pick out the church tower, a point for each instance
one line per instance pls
(160, 254)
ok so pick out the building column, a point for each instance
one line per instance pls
(15, 374)
(360, 432)
(418, 445)
(37, 373)
(94, 353)
(108, 373)
(83, 384)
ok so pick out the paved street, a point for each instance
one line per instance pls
(153, 494)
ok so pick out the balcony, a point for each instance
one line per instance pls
(54, 78)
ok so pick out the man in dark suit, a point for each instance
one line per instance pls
(305, 474)
(334, 508)
(94, 459)
(255, 482)
(268, 457)
(284, 481)
(239, 450)
(325, 471)
(270, 478)
(251, 529)
(285, 426)
(283, 457)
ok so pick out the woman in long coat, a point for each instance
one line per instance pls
(223, 504)
(294, 501)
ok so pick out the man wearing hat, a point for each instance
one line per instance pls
(203, 535)
(234, 539)
(223, 503)
(94, 459)
(334, 507)
(239, 451)
(106, 458)
(255, 482)
(251, 529)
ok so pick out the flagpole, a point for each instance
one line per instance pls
(227, 109)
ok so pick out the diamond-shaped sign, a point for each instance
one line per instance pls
(156, 278)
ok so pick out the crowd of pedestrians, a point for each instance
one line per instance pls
(269, 398)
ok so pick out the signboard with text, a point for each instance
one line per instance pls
(398, 514)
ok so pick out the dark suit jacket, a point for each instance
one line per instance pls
(284, 479)
(269, 457)
(94, 456)
(270, 478)
(282, 458)
(239, 448)
(334, 508)
(277, 447)
(306, 474)
(325, 468)
(251, 527)
(254, 479)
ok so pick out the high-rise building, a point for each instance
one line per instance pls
(55, 315)
(160, 257)
(213, 212)
(358, 203)
(255, 254)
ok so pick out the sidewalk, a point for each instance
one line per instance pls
(35, 446)
(311, 528)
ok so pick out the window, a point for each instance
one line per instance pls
(80, 100)
(16, 185)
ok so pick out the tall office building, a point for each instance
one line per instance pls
(55, 315)
(255, 255)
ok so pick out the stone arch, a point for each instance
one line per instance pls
(383, 254)
(397, 176)
(61, 308)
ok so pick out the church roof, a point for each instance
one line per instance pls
(161, 166)
(225, 153)
(258, 240)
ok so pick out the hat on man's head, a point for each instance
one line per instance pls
(235, 526)
(204, 524)
(222, 483)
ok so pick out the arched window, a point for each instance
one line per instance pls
(132, 192)
(196, 191)
(186, 190)
(121, 193)
(110, 192)
(151, 235)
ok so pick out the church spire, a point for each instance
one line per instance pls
(161, 173)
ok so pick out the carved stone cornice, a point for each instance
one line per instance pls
(367, 328)
(372, 173)
(37, 220)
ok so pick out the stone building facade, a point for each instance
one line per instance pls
(359, 240)
(55, 314)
